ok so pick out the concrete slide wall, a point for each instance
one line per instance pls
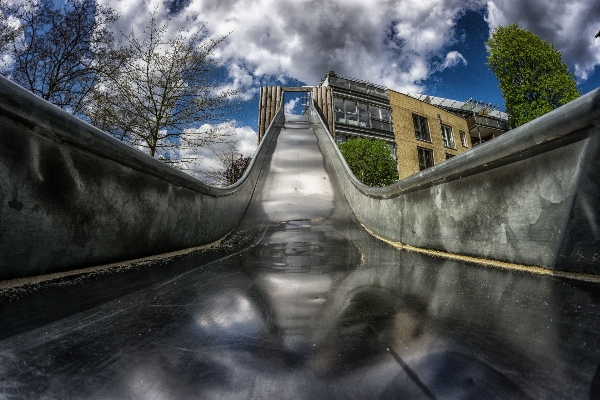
(530, 196)
(72, 196)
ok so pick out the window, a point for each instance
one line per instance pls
(385, 114)
(449, 156)
(338, 105)
(392, 148)
(340, 139)
(447, 136)
(425, 158)
(380, 118)
(351, 115)
(375, 112)
(463, 139)
(421, 128)
(386, 126)
(351, 112)
(363, 116)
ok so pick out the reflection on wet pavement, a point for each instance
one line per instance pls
(315, 307)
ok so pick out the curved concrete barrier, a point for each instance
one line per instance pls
(531, 196)
(72, 196)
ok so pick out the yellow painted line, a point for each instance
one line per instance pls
(15, 284)
(491, 263)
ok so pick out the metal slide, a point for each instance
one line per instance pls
(301, 302)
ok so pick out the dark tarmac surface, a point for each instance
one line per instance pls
(300, 302)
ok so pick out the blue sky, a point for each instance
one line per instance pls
(436, 47)
(469, 79)
(475, 80)
(418, 46)
(424, 46)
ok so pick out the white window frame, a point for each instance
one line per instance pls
(463, 138)
(421, 125)
(447, 136)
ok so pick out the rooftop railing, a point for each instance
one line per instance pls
(359, 86)
(479, 120)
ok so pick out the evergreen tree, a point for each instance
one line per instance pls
(533, 77)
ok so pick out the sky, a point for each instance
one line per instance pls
(418, 46)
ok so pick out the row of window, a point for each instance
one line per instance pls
(352, 112)
(422, 132)
(426, 158)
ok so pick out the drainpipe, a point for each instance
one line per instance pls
(441, 130)
(477, 125)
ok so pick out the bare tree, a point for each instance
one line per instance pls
(58, 53)
(162, 99)
(233, 166)
(10, 28)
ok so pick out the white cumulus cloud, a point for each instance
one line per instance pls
(397, 44)
(245, 139)
(453, 59)
(290, 105)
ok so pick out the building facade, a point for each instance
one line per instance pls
(425, 135)
(420, 131)
(485, 120)
(360, 109)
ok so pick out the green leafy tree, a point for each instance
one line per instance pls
(533, 78)
(370, 161)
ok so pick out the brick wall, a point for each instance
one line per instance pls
(403, 108)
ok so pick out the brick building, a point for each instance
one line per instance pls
(425, 134)
(360, 109)
(419, 130)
